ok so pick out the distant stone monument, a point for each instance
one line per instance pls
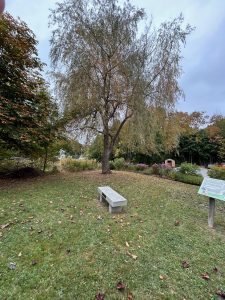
(170, 162)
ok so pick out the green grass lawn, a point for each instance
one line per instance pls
(66, 245)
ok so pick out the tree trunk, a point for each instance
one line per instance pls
(106, 154)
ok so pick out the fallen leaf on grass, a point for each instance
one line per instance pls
(205, 276)
(120, 286)
(3, 226)
(12, 266)
(100, 296)
(220, 293)
(127, 244)
(132, 255)
(130, 296)
(216, 270)
(34, 262)
(177, 223)
(185, 264)
(20, 254)
(162, 277)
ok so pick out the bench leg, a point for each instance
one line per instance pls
(117, 209)
(100, 198)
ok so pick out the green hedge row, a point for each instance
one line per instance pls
(190, 179)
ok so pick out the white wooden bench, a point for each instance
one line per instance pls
(115, 200)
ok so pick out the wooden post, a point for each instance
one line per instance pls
(212, 205)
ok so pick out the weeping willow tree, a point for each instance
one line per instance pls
(107, 71)
(156, 133)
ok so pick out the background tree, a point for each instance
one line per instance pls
(25, 104)
(216, 132)
(191, 123)
(111, 72)
(70, 146)
(201, 139)
(151, 138)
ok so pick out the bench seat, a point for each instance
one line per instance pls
(115, 200)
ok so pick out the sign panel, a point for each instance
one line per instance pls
(213, 188)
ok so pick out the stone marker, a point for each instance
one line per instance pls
(170, 162)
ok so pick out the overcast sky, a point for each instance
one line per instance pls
(203, 80)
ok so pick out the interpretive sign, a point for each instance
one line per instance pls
(213, 188)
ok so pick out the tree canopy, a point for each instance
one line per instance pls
(108, 72)
(25, 103)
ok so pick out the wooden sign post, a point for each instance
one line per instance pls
(212, 209)
(214, 189)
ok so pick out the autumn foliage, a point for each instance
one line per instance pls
(24, 102)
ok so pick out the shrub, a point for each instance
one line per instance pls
(156, 169)
(190, 179)
(111, 165)
(74, 165)
(140, 167)
(188, 169)
(148, 171)
(119, 163)
(54, 170)
(130, 167)
(164, 169)
(217, 173)
(161, 169)
(172, 174)
(23, 173)
(7, 165)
